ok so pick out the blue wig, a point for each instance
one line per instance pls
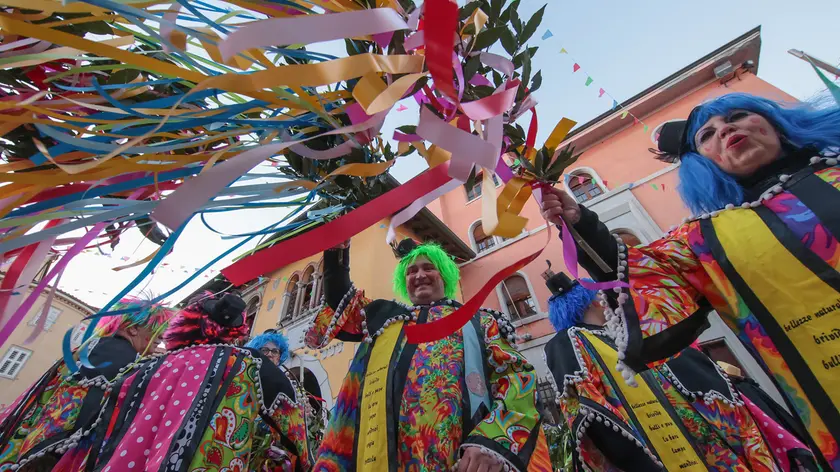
(278, 339)
(705, 187)
(566, 309)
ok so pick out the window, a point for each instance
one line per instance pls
(584, 187)
(548, 408)
(13, 361)
(482, 241)
(52, 316)
(292, 291)
(628, 238)
(518, 298)
(717, 350)
(270, 305)
(78, 335)
(276, 283)
(308, 288)
(475, 191)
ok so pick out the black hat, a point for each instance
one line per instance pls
(673, 139)
(405, 247)
(558, 283)
(227, 310)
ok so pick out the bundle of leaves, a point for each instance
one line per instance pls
(503, 27)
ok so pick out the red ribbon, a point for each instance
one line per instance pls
(438, 35)
(446, 326)
(337, 231)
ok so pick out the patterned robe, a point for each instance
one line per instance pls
(431, 418)
(195, 410)
(770, 271)
(691, 389)
(59, 405)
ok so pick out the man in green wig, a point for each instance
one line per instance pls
(467, 401)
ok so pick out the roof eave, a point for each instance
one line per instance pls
(698, 74)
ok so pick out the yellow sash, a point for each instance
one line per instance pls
(664, 436)
(802, 304)
(372, 454)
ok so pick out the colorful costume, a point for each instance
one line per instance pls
(416, 407)
(768, 267)
(195, 408)
(50, 415)
(784, 433)
(682, 416)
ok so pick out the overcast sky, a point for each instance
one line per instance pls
(624, 46)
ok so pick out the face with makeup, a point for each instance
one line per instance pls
(740, 143)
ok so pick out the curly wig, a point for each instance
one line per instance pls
(191, 326)
(447, 268)
(566, 309)
(276, 338)
(143, 313)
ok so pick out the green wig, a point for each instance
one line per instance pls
(436, 255)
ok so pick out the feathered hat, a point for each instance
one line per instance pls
(209, 318)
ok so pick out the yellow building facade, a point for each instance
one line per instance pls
(22, 363)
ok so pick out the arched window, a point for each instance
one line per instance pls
(628, 238)
(518, 298)
(291, 291)
(482, 241)
(584, 186)
(475, 191)
(308, 286)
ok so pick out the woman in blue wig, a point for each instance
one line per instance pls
(762, 250)
(681, 416)
(272, 345)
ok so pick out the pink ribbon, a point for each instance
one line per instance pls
(38, 47)
(496, 104)
(401, 137)
(18, 44)
(332, 153)
(195, 192)
(467, 149)
(312, 29)
(418, 205)
(570, 250)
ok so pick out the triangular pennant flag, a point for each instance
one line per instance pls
(635, 120)
(615, 105)
(402, 108)
(588, 81)
(605, 184)
(646, 128)
(575, 68)
(563, 51)
(654, 187)
(663, 187)
(623, 114)
(580, 179)
(547, 34)
(601, 93)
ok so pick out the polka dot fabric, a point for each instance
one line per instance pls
(162, 411)
(779, 440)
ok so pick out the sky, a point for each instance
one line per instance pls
(624, 46)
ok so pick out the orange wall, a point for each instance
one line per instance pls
(619, 159)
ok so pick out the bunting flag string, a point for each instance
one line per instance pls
(603, 92)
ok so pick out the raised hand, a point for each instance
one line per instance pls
(557, 203)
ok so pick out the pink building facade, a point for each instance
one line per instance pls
(617, 176)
